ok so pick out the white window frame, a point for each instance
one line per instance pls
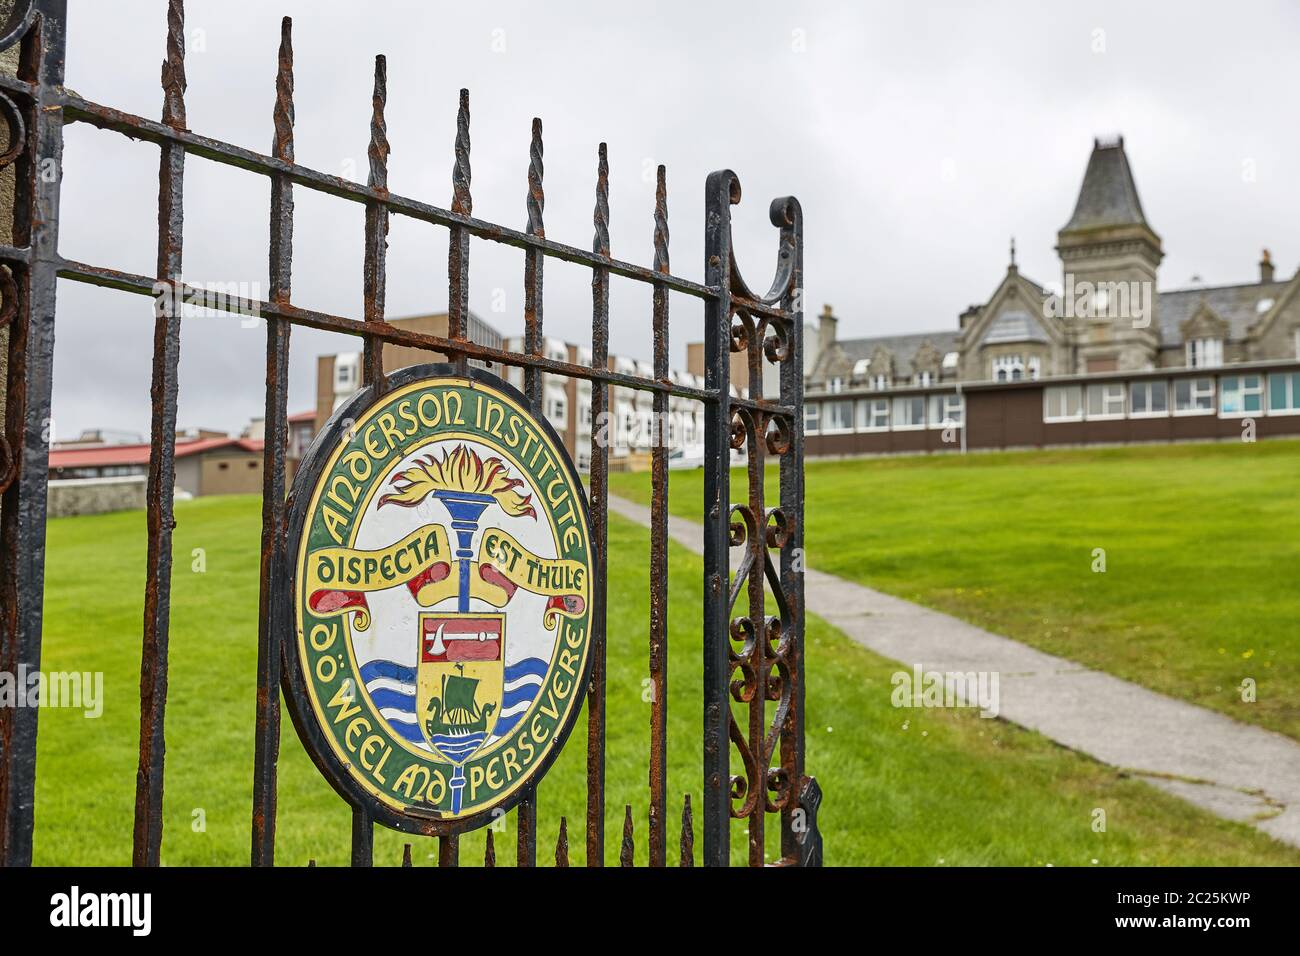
(895, 418)
(867, 410)
(1196, 392)
(1059, 389)
(826, 427)
(946, 410)
(835, 386)
(923, 379)
(1242, 390)
(1107, 400)
(1010, 364)
(1293, 393)
(1147, 385)
(812, 418)
(880, 382)
(1205, 353)
(1034, 367)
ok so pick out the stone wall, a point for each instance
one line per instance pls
(92, 496)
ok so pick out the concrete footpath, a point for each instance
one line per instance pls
(1232, 769)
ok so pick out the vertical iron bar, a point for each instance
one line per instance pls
(792, 578)
(756, 583)
(526, 814)
(374, 281)
(462, 203)
(526, 824)
(449, 850)
(658, 843)
(363, 838)
(687, 843)
(599, 521)
(627, 850)
(721, 190)
(27, 420)
(266, 750)
(489, 851)
(162, 464)
(533, 262)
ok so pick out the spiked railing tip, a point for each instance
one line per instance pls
(688, 834)
(627, 851)
(461, 201)
(661, 221)
(600, 244)
(379, 148)
(173, 68)
(283, 114)
(406, 855)
(562, 844)
(489, 852)
(536, 196)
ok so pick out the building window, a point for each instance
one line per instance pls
(1205, 353)
(555, 410)
(1062, 403)
(1035, 367)
(1297, 343)
(909, 412)
(1106, 400)
(873, 415)
(880, 382)
(1149, 398)
(922, 379)
(1008, 368)
(836, 385)
(811, 417)
(1284, 394)
(945, 410)
(839, 417)
(1241, 394)
(1193, 396)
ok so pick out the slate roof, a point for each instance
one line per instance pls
(1108, 196)
(1235, 304)
(902, 347)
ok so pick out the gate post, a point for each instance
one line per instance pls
(36, 148)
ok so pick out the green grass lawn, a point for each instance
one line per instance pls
(901, 787)
(1201, 546)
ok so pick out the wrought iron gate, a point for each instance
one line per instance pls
(753, 667)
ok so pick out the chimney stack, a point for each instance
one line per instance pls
(826, 329)
(1266, 268)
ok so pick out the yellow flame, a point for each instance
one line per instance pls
(460, 470)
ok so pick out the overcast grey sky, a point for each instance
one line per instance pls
(918, 136)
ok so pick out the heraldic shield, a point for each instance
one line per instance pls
(460, 680)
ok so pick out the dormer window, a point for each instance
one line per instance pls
(836, 384)
(1008, 368)
(922, 379)
(1205, 353)
(880, 382)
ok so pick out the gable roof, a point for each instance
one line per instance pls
(1108, 196)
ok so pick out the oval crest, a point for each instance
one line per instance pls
(440, 581)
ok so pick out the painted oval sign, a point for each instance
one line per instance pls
(441, 564)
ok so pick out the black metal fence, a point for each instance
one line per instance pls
(753, 668)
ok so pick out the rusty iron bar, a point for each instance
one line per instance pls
(686, 845)
(534, 260)
(627, 851)
(599, 485)
(27, 407)
(526, 829)
(721, 190)
(562, 844)
(462, 204)
(160, 519)
(800, 839)
(363, 838)
(375, 275)
(449, 849)
(759, 664)
(274, 567)
(489, 851)
(406, 855)
(657, 840)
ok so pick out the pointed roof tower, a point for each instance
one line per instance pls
(1108, 214)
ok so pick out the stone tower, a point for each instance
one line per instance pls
(1109, 256)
